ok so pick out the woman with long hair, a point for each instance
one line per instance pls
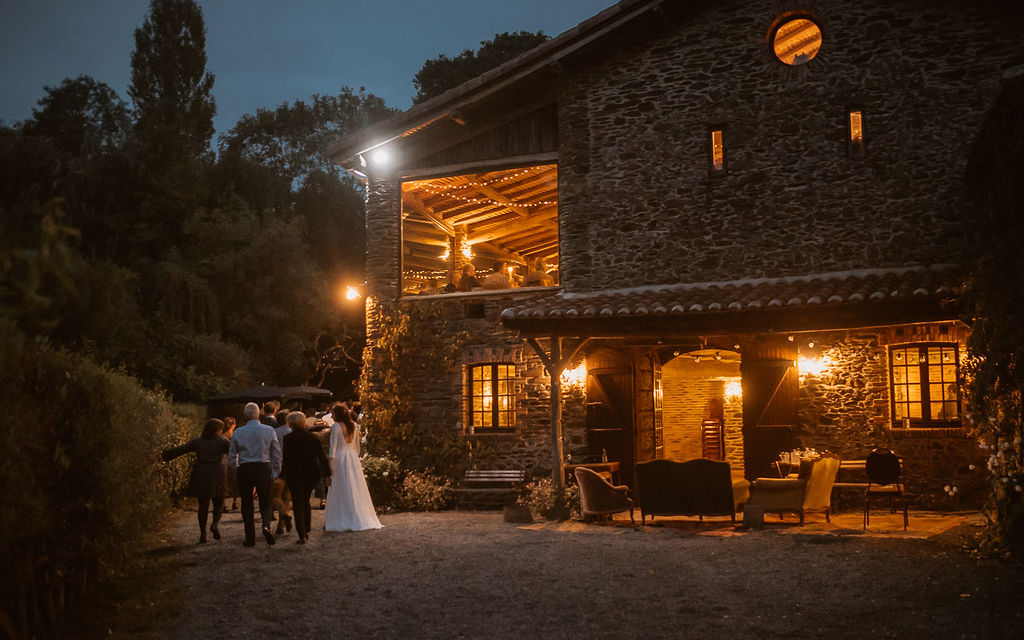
(349, 507)
(209, 473)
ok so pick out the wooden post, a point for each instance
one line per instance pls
(558, 464)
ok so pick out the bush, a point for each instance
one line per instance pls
(539, 496)
(426, 492)
(383, 478)
(80, 474)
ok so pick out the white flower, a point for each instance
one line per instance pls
(946, 488)
(971, 467)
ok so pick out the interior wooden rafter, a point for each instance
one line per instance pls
(509, 215)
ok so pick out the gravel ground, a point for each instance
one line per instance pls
(472, 575)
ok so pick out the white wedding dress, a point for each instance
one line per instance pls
(349, 507)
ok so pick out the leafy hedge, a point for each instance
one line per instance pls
(78, 454)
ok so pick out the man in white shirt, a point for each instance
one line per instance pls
(255, 453)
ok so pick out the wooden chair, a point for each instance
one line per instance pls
(883, 470)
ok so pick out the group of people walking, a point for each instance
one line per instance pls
(259, 456)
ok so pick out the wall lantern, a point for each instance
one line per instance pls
(813, 366)
(575, 377)
(733, 390)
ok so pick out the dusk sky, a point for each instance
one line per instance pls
(264, 52)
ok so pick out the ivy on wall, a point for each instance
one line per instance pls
(410, 343)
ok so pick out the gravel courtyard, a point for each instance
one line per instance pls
(472, 575)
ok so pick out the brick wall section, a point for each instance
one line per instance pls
(634, 143)
(846, 410)
(689, 388)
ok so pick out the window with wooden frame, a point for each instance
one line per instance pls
(925, 386)
(716, 151)
(855, 132)
(490, 397)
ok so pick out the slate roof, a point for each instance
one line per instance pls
(839, 289)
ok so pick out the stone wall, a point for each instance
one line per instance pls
(635, 123)
(846, 409)
(438, 391)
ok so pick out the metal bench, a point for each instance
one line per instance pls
(489, 488)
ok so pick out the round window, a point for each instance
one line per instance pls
(797, 41)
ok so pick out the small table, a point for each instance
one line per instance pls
(611, 467)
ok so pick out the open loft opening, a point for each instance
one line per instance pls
(483, 231)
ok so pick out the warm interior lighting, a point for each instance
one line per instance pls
(467, 250)
(813, 366)
(797, 41)
(733, 390)
(856, 133)
(717, 151)
(575, 377)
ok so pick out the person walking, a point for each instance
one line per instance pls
(256, 453)
(303, 466)
(209, 473)
(349, 506)
(231, 491)
(280, 495)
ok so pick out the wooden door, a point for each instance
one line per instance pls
(770, 388)
(610, 409)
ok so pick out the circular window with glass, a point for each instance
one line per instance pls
(796, 41)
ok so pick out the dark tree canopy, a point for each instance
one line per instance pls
(440, 74)
(81, 116)
(170, 87)
(289, 139)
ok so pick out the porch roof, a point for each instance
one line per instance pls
(848, 299)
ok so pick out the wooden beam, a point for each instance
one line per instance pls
(416, 204)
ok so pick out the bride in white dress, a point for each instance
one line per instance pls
(349, 507)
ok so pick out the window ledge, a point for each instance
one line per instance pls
(492, 437)
(929, 432)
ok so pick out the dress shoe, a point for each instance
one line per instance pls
(215, 531)
(300, 541)
(268, 535)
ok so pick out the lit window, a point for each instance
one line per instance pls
(925, 388)
(856, 127)
(717, 151)
(796, 41)
(491, 396)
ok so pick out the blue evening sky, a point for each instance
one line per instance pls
(264, 52)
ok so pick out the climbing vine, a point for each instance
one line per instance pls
(413, 343)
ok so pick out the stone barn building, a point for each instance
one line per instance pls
(699, 229)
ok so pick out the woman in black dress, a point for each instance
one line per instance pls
(209, 473)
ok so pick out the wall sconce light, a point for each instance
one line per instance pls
(813, 366)
(733, 390)
(575, 377)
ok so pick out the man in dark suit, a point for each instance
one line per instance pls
(303, 465)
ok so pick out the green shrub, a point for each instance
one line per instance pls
(426, 492)
(383, 478)
(80, 474)
(539, 496)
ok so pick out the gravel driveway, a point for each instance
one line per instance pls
(472, 575)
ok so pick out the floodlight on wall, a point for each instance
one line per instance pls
(813, 366)
(575, 377)
(734, 390)
(380, 157)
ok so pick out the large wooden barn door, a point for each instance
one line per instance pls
(770, 388)
(610, 408)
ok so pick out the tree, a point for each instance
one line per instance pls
(289, 139)
(170, 87)
(440, 74)
(995, 296)
(83, 117)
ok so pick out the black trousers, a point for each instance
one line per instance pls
(254, 475)
(300, 506)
